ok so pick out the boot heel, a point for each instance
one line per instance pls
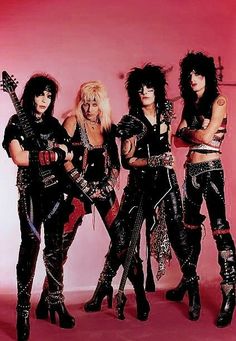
(65, 319)
(95, 303)
(177, 294)
(109, 298)
(52, 316)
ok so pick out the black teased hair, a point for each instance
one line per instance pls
(34, 87)
(202, 65)
(151, 76)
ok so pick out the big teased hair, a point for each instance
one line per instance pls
(94, 91)
(34, 87)
(151, 76)
(202, 65)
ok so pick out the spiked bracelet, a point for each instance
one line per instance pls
(83, 184)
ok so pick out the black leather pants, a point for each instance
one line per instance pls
(125, 222)
(209, 185)
(34, 209)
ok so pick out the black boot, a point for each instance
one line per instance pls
(22, 324)
(227, 307)
(65, 319)
(194, 298)
(194, 240)
(177, 293)
(102, 290)
(143, 307)
(42, 306)
(25, 274)
(227, 262)
(150, 284)
(137, 279)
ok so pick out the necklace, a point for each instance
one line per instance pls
(92, 124)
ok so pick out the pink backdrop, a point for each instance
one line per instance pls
(77, 41)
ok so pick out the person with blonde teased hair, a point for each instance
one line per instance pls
(94, 91)
(93, 171)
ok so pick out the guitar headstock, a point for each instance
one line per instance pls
(8, 83)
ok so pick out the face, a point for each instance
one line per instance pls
(197, 82)
(147, 95)
(90, 110)
(42, 102)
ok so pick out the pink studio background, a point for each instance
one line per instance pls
(76, 41)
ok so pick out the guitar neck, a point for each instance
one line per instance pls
(133, 243)
(24, 121)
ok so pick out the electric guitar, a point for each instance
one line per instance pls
(9, 84)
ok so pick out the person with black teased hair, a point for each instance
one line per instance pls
(145, 151)
(39, 145)
(202, 129)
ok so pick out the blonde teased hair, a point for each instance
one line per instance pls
(94, 91)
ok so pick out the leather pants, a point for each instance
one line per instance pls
(36, 207)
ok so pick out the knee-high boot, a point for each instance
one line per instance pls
(42, 306)
(70, 228)
(227, 307)
(227, 263)
(25, 274)
(113, 261)
(183, 251)
(136, 277)
(194, 240)
(53, 259)
(104, 287)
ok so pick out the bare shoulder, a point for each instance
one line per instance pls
(220, 101)
(70, 124)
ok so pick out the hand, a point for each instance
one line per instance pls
(102, 191)
(60, 154)
(69, 154)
